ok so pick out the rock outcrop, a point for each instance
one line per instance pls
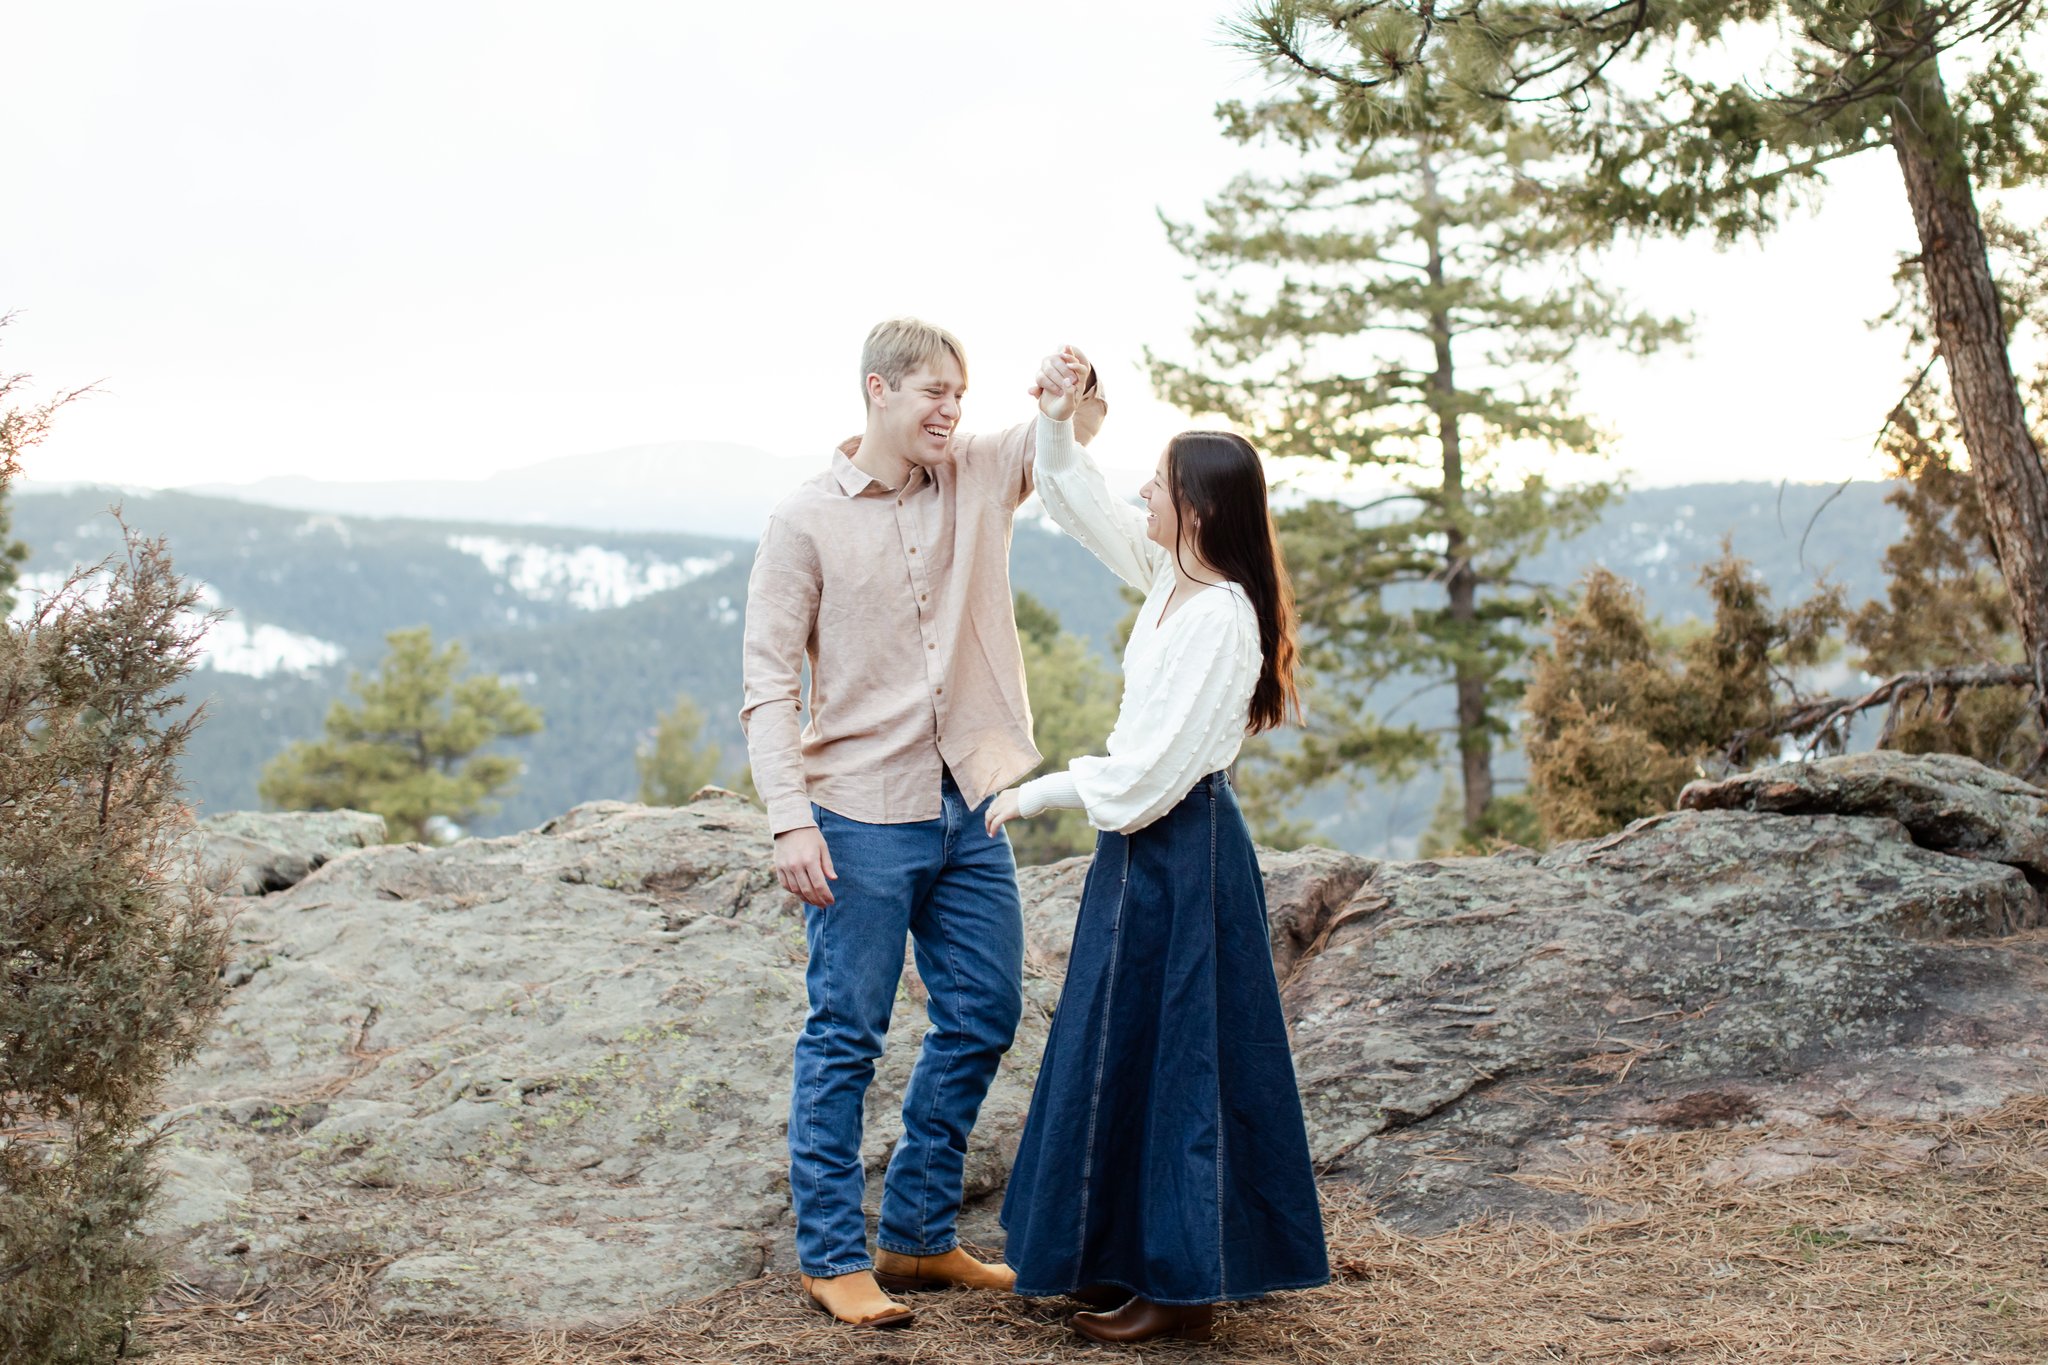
(251, 853)
(542, 1079)
(1946, 802)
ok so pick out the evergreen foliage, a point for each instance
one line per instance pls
(1074, 698)
(1404, 301)
(1717, 115)
(1621, 715)
(678, 761)
(13, 553)
(1945, 605)
(410, 749)
(110, 956)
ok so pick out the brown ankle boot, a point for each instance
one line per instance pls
(954, 1269)
(856, 1300)
(1143, 1320)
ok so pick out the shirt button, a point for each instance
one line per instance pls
(929, 645)
(913, 549)
(939, 691)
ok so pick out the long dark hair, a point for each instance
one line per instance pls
(1218, 489)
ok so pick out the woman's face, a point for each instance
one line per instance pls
(1162, 523)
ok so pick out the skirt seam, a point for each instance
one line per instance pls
(1116, 939)
(1215, 949)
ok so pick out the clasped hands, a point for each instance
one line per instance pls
(1060, 382)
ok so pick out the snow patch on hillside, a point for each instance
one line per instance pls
(263, 649)
(259, 649)
(589, 577)
(255, 650)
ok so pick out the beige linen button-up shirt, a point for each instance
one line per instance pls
(900, 601)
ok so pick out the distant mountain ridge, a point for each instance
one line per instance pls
(603, 628)
(713, 488)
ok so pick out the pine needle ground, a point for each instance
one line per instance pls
(1894, 1242)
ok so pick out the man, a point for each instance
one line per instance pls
(889, 572)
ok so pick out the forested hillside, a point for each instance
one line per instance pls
(603, 629)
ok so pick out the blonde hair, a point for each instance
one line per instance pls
(900, 345)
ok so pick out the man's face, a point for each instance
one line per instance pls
(920, 414)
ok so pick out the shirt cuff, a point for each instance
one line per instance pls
(795, 813)
(1054, 447)
(1054, 791)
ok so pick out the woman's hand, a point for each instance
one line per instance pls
(1002, 811)
(1058, 384)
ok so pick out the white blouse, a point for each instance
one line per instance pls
(1187, 684)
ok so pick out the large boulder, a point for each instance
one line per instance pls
(1947, 802)
(544, 1077)
(1473, 1020)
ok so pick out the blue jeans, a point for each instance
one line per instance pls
(953, 891)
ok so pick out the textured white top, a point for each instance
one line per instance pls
(1187, 684)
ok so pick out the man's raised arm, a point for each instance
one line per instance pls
(1005, 458)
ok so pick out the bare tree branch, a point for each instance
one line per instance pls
(1819, 716)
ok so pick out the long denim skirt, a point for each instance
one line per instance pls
(1165, 1150)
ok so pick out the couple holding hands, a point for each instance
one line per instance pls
(1164, 1166)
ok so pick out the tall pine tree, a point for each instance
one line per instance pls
(1716, 115)
(1401, 300)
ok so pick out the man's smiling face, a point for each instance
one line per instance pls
(921, 412)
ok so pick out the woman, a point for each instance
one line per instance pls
(1164, 1165)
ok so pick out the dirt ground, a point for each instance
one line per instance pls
(1903, 1243)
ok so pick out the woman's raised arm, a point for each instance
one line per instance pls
(1074, 492)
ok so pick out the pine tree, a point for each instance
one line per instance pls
(1945, 606)
(411, 748)
(678, 761)
(1669, 148)
(1403, 302)
(110, 954)
(1621, 714)
(1074, 698)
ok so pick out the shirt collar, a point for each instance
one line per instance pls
(856, 482)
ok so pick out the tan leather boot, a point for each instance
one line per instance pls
(954, 1269)
(857, 1300)
(1144, 1320)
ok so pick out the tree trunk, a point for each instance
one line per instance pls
(1970, 327)
(1461, 584)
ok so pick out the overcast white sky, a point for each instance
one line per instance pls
(377, 240)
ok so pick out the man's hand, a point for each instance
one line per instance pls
(1059, 383)
(1002, 811)
(804, 865)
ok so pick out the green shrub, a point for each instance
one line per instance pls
(110, 953)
